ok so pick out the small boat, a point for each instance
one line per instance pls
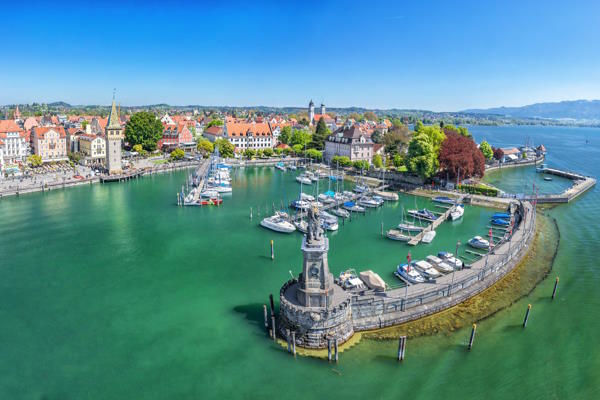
(541, 168)
(361, 189)
(301, 226)
(349, 280)
(500, 222)
(479, 243)
(347, 194)
(501, 215)
(304, 180)
(280, 166)
(439, 264)
(444, 200)
(329, 225)
(209, 193)
(300, 204)
(458, 212)
(340, 212)
(426, 269)
(547, 178)
(221, 189)
(378, 199)
(395, 234)
(428, 237)
(325, 198)
(352, 206)
(292, 167)
(410, 227)
(450, 259)
(368, 202)
(335, 178)
(211, 202)
(388, 196)
(328, 217)
(278, 223)
(423, 214)
(307, 197)
(409, 274)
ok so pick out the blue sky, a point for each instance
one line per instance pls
(436, 55)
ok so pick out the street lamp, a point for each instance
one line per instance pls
(454, 269)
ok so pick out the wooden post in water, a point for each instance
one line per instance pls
(272, 251)
(329, 349)
(526, 315)
(273, 325)
(381, 228)
(265, 315)
(472, 336)
(555, 286)
(335, 343)
(401, 347)
(250, 213)
(287, 337)
(272, 304)
(294, 343)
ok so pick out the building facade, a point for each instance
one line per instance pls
(349, 141)
(15, 147)
(93, 147)
(249, 135)
(114, 139)
(50, 143)
(176, 136)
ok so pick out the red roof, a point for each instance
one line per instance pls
(214, 130)
(41, 131)
(8, 125)
(247, 128)
(282, 146)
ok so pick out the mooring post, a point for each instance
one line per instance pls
(381, 228)
(294, 343)
(401, 347)
(273, 325)
(526, 315)
(272, 251)
(472, 336)
(335, 343)
(555, 286)
(272, 304)
(329, 349)
(250, 213)
(266, 318)
(287, 337)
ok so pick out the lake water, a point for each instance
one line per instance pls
(113, 292)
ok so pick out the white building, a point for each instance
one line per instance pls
(15, 146)
(349, 141)
(249, 135)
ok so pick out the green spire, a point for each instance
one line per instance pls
(113, 117)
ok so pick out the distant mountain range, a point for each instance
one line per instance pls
(576, 109)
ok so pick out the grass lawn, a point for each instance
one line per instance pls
(158, 162)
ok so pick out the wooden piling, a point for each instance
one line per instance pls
(335, 343)
(401, 347)
(381, 228)
(250, 213)
(472, 336)
(294, 343)
(555, 286)
(272, 251)
(272, 304)
(266, 318)
(329, 349)
(287, 337)
(273, 325)
(526, 315)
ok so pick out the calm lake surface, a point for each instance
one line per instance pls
(112, 292)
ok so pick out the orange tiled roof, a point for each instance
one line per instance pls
(41, 131)
(247, 128)
(8, 125)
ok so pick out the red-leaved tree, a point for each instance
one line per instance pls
(459, 154)
(498, 153)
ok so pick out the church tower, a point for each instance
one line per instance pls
(311, 112)
(114, 137)
(322, 109)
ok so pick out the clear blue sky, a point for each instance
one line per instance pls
(437, 55)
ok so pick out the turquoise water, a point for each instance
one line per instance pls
(113, 292)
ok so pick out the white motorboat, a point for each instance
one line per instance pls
(407, 273)
(221, 189)
(450, 259)
(428, 237)
(328, 217)
(303, 179)
(458, 212)
(368, 202)
(347, 194)
(426, 269)
(292, 167)
(378, 199)
(479, 243)
(306, 197)
(301, 225)
(340, 212)
(209, 193)
(410, 227)
(361, 189)
(352, 206)
(329, 225)
(300, 204)
(349, 280)
(325, 198)
(439, 264)
(278, 223)
(397, 235)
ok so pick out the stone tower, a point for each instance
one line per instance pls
(114, 137)
(322, 109)
(311, 112)
(315, 287)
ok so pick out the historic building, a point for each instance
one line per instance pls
(93, 147)
(349, 141)
(176, 136)
(313, 118)
(50, 143)
(248, 135)
(114, 138)
(15, 147)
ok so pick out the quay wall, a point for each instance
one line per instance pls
(515, 164)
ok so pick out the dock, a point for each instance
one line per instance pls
(437, 222)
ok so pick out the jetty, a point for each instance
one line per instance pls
(434, 224)
(121, 177)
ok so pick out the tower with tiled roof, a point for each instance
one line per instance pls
(114, 139)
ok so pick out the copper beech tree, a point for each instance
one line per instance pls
(460, 153)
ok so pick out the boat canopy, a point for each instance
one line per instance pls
(329, 193)
(372, 280)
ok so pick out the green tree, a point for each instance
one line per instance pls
(361, 164)
(342, 161)
(249, 153)
(377, 161)
(313, 154)
(398, 161)
(278, 151)
(205, 146)
(226, 149)
(288, 151)
(418, 126)
(422, 157)
(297, 148)
(370, 116)
(84, 124)
(177, 154)
(285, 135)
(486, 149)
(259, 153)
(268, 152)
(215, 122)
(320, 135)
(145, 129)
(300, 137)
(34, 160)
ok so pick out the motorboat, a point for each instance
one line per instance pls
(292, 167)
(328, 217)
(368, 202)
(501, 215)
(211, 201)
(428, 237)
(329, 225)
(500, 222)
(278, 223)
(426, 269)
(409, 274)
(458, 212)
(209, 193)
(439, 264)
(423, 214)
(361, 189)
(301, 226)
(547, 178)
(352, 206)
(300, 204)
(444, 200)
(378, 199)
(388, 196)
(349, 280)
(395, 234)
(307, 197)
(479, 243)
(410, 228)
(347, 194)
(450, 259)
(221, 189)
(340, 212)
(325, 198)
(280, 166)
(304, 180)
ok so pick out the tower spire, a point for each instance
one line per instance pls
(113, 117)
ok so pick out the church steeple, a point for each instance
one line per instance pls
(113, 117)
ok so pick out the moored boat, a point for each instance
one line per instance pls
(439, 264)
(303, 179)
(340, 212)
(479, 243)
(450, 259)
(423, 214)
(444, 200)
(410, 227)
(368, 202)
(409, 274)
(500, 222)
(395, 234)
(458, 212)
(428, 237)
(426, 269)
(278, 223)
(352, 206)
